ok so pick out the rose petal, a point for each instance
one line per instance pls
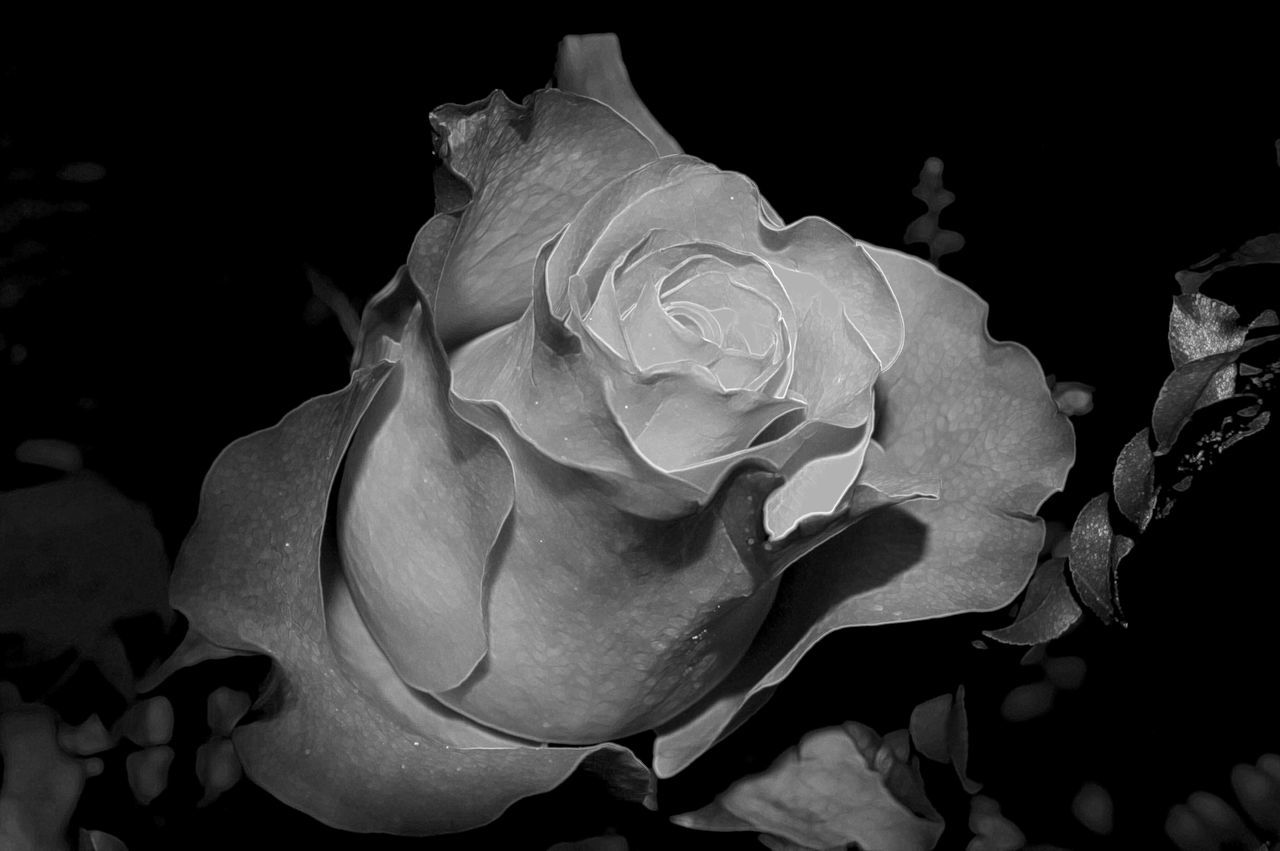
(592, 65)
(536, 372)
(371, 671)
(417, 573)
(602, 623)
(834, 367)
(682, 417)
(653, 338)
(958, 406)
(426, 258)
(812, 258)
(530, 168)
(814, 490)
(326, 747)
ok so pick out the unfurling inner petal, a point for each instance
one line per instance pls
(654, 338)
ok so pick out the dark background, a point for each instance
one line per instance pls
(173, 314)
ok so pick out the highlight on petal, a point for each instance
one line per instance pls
(973, 415)
(530, 168)
(839, 785)
(417, 573)
(592, 65)
(249, 577)
(814, 490)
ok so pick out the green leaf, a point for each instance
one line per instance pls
(1090, 560)
(387, 312)
(962, 410)
(1047, 611)
(1192, 386)
(1200, 326)
(839, 785)
(1133, 481)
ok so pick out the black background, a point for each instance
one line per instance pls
(174, 316)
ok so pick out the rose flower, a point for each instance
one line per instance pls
(618, 448)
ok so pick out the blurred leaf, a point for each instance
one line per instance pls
(929, 727)
(1134, 480)
(839, 785)
(97, 840)
(993, 832)
(608, 842)
(78, 556)
(1073, 398)
(958, 741)
(1260, 249)
(41, 783)
(925, 229)
(1048, 610)
(1091, 557)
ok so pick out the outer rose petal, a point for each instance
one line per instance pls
(530, 168)
(249, 578)
(591, 65)
(975, 414)
(415, 572)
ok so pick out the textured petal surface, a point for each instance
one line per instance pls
(558, 388)
(426, 258)
(249, 577)
(530, 168)
(704, 204)
(416, 572)
(592, 65)
(603, 623)
(539, 377)
(971, 414)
